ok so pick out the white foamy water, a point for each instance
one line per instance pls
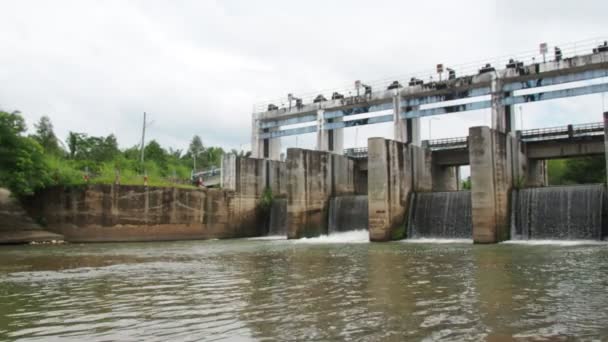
(353, 236)
(555, 242)
(440, 241)
(270, 237)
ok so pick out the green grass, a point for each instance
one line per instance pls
(68, 173)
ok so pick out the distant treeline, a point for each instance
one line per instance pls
(40, 159)
(582, 170)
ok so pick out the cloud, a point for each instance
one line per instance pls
(198, 67)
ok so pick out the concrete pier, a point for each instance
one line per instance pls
(395, 170)
(389, 186)
(313, 177)
(406, 130)
(250, 176)
(536, 173)
(491, 179)
(329, 140)
(266, 148)
(445, 178)
(606, 142)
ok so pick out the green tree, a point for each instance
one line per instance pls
(466, 184)
(555, 171)
(586, 170)
(22, 165)
(241, 153)
(581, 170)
(155, 153)
(45, 136)
(195, 152)
(175, 153)
(103, 149)
(75, 141)
(213, 157)
(132, 153)
(96, 149)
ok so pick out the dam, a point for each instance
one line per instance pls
(412, 186)
(399, 188)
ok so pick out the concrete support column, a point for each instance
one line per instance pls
(389, 185)
(264, 148)
(406, 130)
(329, 140)
(519, 161)
(537, 173)
(502, 116)
(606, 141)
(422, 168)
(491, 181)
(313, 177)
(228, 176)
(445, 178)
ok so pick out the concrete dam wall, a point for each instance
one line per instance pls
(399, 191)
(440, 215)
(277, 223)
(16, 226)
(313, 178)
(348, 213)
(560, 212)
(134, 213)
(301, 187)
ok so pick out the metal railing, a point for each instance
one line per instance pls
(437, 144)
(563, 132)
(536, 134)
(568, 50)
(207, 173)
(357, 153)
(448, 143)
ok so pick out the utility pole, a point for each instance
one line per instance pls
(143, 141)
(194, 153)
(143, 138)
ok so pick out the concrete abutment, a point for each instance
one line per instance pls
(490, 155)
(313, 178)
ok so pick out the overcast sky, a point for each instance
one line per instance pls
(199, 66)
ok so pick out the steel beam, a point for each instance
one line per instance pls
(290, 121)
(359, 122)
(548, 81)
(556, 94)
(446, 110)
(416, 101)
(358, 110)
(288, 132)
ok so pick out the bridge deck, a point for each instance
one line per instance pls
(541, 143)
(523, 79)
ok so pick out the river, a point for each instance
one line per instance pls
(338, 288)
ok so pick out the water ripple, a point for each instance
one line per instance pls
(281, 290)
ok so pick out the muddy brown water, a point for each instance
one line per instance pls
(316, 289)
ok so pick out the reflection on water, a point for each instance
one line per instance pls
(283, 290)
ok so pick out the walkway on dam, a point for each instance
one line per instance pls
(541, 143)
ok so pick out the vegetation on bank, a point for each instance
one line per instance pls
(33, 161)
(40, 159)
(583, 170)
